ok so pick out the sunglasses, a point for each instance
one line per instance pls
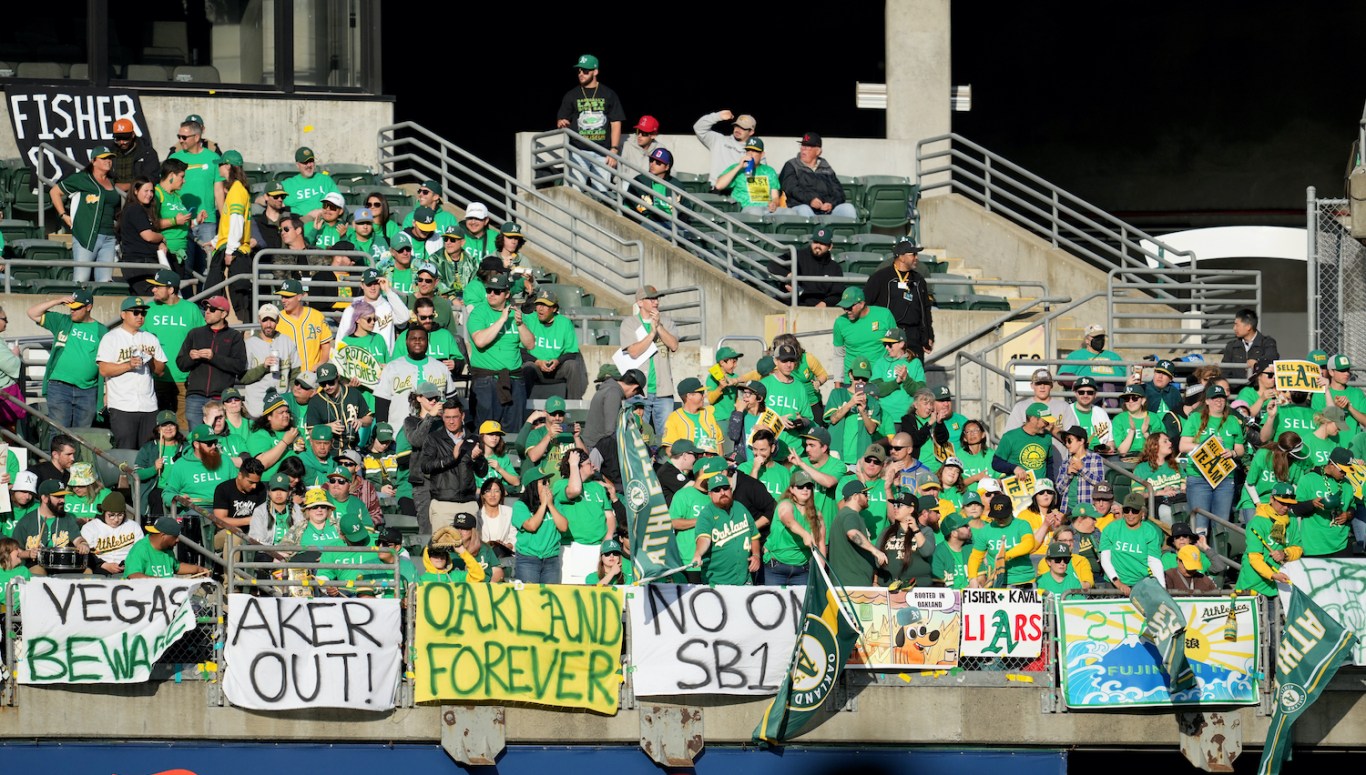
(349, 463)
(453, 239)
(803, 486)
(230, 400)
(426, 317)
(426, 280)
(1086, 392)
(404, 249)
(873, 460)
(277, 196)
(374, 204)
(338, 480)
(496, 290)
(185, 137)
(1056, 559)
(328, 382)
(1127, 399)
(1128, 510)
(896, 448)
(287, 229)
(584, 71)
(209, 443)
(369, 318)
(138, 313)
(424, 191)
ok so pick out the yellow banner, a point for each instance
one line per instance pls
(1020, 490)
(553, 645)
(1356, 476)
(1209, 460)
(1303, 376)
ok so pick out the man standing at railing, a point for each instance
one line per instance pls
(593, 111)
(638, 147)
(903, 290)
(72, 375)
(128, 356)
(1249, 345)
(201, 192)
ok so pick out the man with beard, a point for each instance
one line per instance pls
(273, 434)
(817, 259)
(133, 158)
(442, 344)
(235, 500)
(339, 406)
(265, 225)
(48, 526)
(728, 547)
(272, 361)
(192, 479)
(554, 354)
(401, 375)
(593, 111)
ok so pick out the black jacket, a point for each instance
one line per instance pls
(1263, 349)
(222, 371)
(813, 292)
(140, 162)
(913, 315)
(801, 184)
(450, 478)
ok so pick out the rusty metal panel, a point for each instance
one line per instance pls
(671, 735)
(1211, 741)
(473, 734)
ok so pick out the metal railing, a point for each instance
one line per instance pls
(1064, 219)
(408, 152)
(8, 263)
(45, 183)
(264, 281)
(1204, 301)
(713, 235)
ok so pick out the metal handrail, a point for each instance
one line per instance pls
(6, 263)
(1057, 201)
(518, 198)
(47, 183)
(554, 158)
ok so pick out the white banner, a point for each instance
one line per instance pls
(78, 631)
(1002, 623)
(1336, 586)
(289, 653)
(711, 640)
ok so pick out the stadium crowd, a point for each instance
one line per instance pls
(390, 378)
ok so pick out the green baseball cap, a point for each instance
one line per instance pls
(1284, 492)
(952, 522)
(1318, 356)
(194, 118)
(352, 528)
(290, 287)
(1059, 551)
(304, 155)
(709, 465)
(851, 488)
(202, 433)
(384, 432)
(755, 144)
(586, 62)
(823, 237)
(682, 447)
(165, 278)
(1084, 382)
(1340, 362)
(861, 368)
(166, 417)
(342, 471)
(532, 473)
(717, 481)
(231, 157)
(434, 187)
(725, 354)
(101, 152)
(690, 385)
(609, 546)
(320, 433)
(133, 302)
(851, 296)
(280, 482)
(1040, 409)
(555, 405)
(818, 434)
(607, 371)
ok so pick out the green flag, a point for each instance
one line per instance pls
(1313, 646)
(1164, 625)
(654, 549)
(823, 647)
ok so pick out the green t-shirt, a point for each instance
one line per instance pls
(321, 238)
(73, 350)
(1159, 478)
(996, 540)
(505, 351)
(949, 566)
(585, 514)
(79, 508)
(875, 516)
(1088, 363)
(200, 177)
(852, 566)
(775, 478)
(628, 575)
(1028, 452)
(1069, 581)
(727, 561)
(502, 460)
(754, 189)
(725, 405)
(327, 535)
(688, 503)
(544, 542)
(783, 545)
(372, 343)
(1318, 536)
(263, 441)
(554, 340)
(177, 237)
(1355, 398)
(188, 476)
(1123, 421)
(148, 560)
(441, 345)
(171, 324)
(1260, 541)
(304, 195)
(897, 403)
(976, 463)
(862, 338)
(827, 499)
(402, 281)
(1228, 429)
(1130, 548)
(1299, 419)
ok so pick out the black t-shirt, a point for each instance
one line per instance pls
(671, 480)
(267, 234)
(239, 504)
(132, 223)
(45, 471)
(814, 292)
(591, 112)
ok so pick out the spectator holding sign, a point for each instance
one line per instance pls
(1351, 400)
(1212, 421)
(1270, 544)
(1326, 503)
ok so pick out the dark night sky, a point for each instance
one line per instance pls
(1171, 109)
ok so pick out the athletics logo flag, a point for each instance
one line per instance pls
(823, 647)
(1165, 626)
(654, 549)
(1313, 647)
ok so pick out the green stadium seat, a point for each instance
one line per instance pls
(719, 201)
(795, 225)
(860, 262)
(987, 303)
(854, 188)
(25, 198)
(953, 294)
(396, 197)
(693, 182)
(570, 296)
(352, 175)
(887, 199)
(841, 227)
(881, 243)
(15, 229)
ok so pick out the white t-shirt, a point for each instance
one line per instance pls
(131, 391)
(497, 528)
(399, 378)
(258, 350)
(111, 543)
(390, 314)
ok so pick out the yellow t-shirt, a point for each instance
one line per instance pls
(237, 202)
(309, 332)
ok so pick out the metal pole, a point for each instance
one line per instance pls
(123, 468)
(1311, 228)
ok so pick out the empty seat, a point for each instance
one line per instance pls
(881, 243)
(41, 70)
(840, 227)
(888, 199)
(14, 229)
(352, 175)
(797, 225)
(860, 262)
(146, 73)
(569, 295)
(854, 188)
(954, 293)
(719, 201)
(693, 182)
(196, 74)
(987, 303)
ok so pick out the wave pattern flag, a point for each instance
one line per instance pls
(823, 647)
(653, 547)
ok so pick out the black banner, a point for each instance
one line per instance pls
(72, 118)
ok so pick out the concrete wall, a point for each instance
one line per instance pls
(264, 130)
(918, 56)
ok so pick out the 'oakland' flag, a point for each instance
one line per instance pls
(1313, 647)
(823, 648)
(654, 549)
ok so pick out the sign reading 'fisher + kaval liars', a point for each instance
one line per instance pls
(711, 640)
(1302, 376)
(1002, 623)
(912, 629)
(289, 653)
(550, 644)
(1209, 460)
(100, 631)
(1105, 664)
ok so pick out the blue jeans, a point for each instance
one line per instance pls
(69, 405)
(194, 409)
(843, 210)
(105, 250)
(589, 168)
(777, 574)
(1217, 501)
(657, 410)
(538, 570)
(487, 407)
(196, 258)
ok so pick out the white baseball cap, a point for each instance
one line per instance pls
(268, 311)
(26, 481)
(335, 199)
(477, 210)
(987, 484)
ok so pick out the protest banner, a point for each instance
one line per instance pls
(1002, 623)
(912, 629)
(711, 640)
(1303, 376)
(70, 117)
(289, 653)
(1336, 586)
(1209, 460)
(100, 631)
(549, 644)
(357, 363)
(1020, 490)
(1105, 664)
(1356, 476)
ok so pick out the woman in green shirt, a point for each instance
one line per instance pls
(1133, 425)
(797, 530)
(975, 452)
(495, 451)
(539, 525)
(1211, 421)
(154, 459)
(363, 334)
(1284, 460)
(613, 570)
(1157, 470)
(87, 202)
(952, 488)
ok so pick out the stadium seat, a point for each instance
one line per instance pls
(888, 199)
(25, 198)
(693, 182)
(352, 175)
(860, 262)
(796, 225)
(14, 229)
(101, 438)
(986, 303)
(41, 70)
(719, 201)
(570, 296)
(881, 243)
(854, 188)
(840, 227)
(146, 73)
(953, 294)
(196, 74)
